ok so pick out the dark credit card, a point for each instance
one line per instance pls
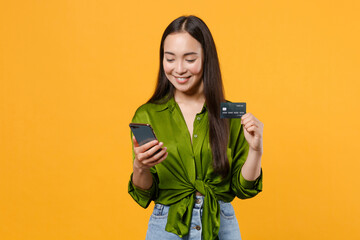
(232, 110)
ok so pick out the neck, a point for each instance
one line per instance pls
(194, 97)
(182, 98)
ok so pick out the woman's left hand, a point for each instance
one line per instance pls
(253, 131)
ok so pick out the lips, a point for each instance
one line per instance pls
(182, 79)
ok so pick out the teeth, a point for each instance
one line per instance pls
(182, 78)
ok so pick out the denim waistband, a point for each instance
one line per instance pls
(199, 201)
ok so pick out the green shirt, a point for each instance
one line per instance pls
(188, 168)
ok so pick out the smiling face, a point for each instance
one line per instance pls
(183, 63)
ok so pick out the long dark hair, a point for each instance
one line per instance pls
(213, 86)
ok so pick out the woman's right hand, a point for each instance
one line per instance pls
(144, 154)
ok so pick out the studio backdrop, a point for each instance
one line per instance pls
(72, 74)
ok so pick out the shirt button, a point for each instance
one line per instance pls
(195, 136)
(198, 118)
(198, 227)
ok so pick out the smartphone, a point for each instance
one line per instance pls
(142, 132)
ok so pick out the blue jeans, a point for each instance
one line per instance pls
(229, 227)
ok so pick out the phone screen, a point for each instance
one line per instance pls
(142, 132)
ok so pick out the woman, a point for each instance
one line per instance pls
(204, 161)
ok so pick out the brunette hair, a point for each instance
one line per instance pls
(213, 86)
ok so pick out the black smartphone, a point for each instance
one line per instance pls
(142, 132)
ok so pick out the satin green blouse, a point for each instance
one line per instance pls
(188, 168)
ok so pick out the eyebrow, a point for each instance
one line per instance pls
(189, 53)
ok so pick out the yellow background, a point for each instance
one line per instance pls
(72, 73)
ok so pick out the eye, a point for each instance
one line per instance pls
(170, 60)
(190, 61)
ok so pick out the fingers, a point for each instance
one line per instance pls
(247, 118)
(136, 144)
(150, 152)
(160, 160)
(157, 158)
(151, 164)
(250, 129)
(251, 123)
(153, 160)
(140, 149)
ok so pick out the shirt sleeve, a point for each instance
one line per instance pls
(141, 196)
(241, 187)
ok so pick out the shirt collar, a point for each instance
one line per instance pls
(171, 105)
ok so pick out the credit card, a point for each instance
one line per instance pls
(232, 110)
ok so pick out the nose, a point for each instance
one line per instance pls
(180, 69)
